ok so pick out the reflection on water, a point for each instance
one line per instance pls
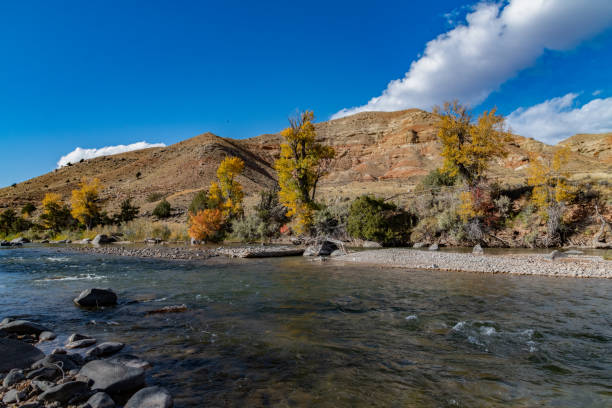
(289, 332)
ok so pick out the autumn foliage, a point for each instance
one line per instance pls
(467, 148)
(84, 202)
(223, 203)
(206, 224)
(302, 163)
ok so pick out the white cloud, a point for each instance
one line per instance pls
(558, 118)
(474, 59)
(79, 153)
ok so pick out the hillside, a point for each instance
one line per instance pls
(377, 152)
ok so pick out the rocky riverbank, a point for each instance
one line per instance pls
(81, 374)
(561, 264)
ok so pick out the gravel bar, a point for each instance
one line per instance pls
(578, 266)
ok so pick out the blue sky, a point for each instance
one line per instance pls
(103, 73)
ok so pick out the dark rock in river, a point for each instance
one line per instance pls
(63, 393)
(96, 297)
(151, 397)
(23, 327)
(100, 400)
(66, 361)
(81, 343)
(17, 354)
(113, 378)
(105, 349)
(102, 239)
(20, 240)
(325, 248)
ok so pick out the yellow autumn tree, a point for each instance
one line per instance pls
(84, 202)
(467, 147)
(55, 214)
(223, 202)
(230, 190)
(301, 165)
(549, 180)
(206, 224)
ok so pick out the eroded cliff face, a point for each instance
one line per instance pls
(376, 152)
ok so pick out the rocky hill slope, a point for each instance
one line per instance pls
(377, 152)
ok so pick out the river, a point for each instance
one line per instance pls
(294, 333)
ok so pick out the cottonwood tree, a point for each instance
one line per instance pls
(467, 147)
(84, 202)
(301, 165)
(55, 214)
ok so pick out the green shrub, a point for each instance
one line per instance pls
(128, 212)
(373, 219)
(163, 210)
(331, 221)
(153, 197)
(28, 209)
(436, 178)
(248, 229)
(263, 224)
(200, 202)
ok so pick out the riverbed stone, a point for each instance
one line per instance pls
(81, 343)
(20, 240)
(96, 297)
(100, 400)
(434, 247)
(477, 250)
(102, 239)
(54, 360)
(43, 385)
(105, 349)
(44, 373)
(17, 354)
(151, 397)
(13, 396)
(113, 378)
(13, 377)
(65, 392)
(76, 337)
(47, 336)
(130, 360)
(23, 327)
(324, 248)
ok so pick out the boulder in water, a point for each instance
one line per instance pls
(324, 248)
(22, 327)
(103, 239)
(81, 343)
(113, 378)
(46, 336)
(96, 298)
(20, 240)
(100, 400)
(151, 397)
(65, 392)
(105, 349)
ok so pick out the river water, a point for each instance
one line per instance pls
(294, 333)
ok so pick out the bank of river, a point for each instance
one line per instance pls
(290, 332)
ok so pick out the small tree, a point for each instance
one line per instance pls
(55, 214)
(302, 163)
(549, 180)
(230, 189)
(199, 202)
(84, 202)
(128, 212)
(467, 148)
(163, 209)
(28, 209)
(207, 225)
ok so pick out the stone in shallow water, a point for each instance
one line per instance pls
(81, 343)
(105, 349)
(23, 327)
(113, 378)
(129, 360)
(151, 397)
(100, 400)
(96, 297)
(64, 392)
(46, 336)
(65, 361)
(17, 354)
(13, 396)
(76, 337)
